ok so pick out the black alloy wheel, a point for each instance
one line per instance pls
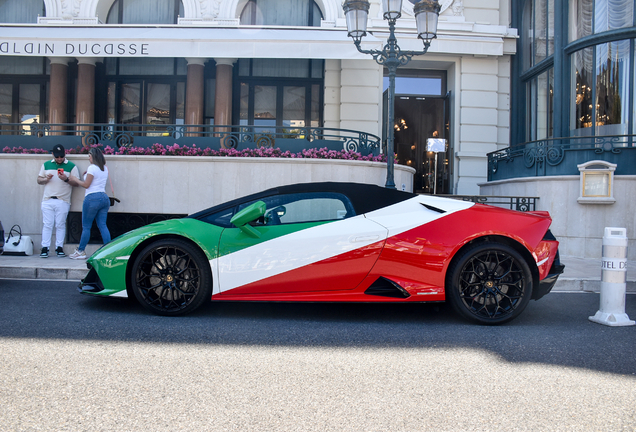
(171, 277)
(490, 283)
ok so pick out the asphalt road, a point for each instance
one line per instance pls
(75, 363)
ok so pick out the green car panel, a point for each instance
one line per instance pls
(111, 260)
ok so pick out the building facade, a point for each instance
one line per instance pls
(572, 119)
(152, 64)
(574, 72)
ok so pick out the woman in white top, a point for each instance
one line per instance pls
(96, 201)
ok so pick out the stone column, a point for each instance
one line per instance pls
(194, 95)
(85, 107)
(223, 96)
(58, 90)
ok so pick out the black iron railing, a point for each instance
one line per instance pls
(560, 156)
(239, 137)
(509, 202)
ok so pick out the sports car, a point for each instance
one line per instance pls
(335, 242)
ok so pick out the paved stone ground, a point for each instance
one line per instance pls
(77, 363)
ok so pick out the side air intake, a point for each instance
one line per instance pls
(384, 287)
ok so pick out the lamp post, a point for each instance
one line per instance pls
(391, 56)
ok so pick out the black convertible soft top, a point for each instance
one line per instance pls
(364, 197)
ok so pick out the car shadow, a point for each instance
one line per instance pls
(554, 330)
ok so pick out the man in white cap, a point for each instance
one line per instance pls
(56, 202)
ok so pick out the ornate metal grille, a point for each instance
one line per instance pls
(293, 139)
(560, 156)
(510, 202)
(117, 223)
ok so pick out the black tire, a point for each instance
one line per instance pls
(489, 283)
(171, 277)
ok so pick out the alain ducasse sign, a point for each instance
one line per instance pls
(76, 49)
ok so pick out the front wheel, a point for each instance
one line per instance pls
(489, 283)
(171, 277)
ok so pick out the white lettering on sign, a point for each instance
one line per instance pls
(614, 264)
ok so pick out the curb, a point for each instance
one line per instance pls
(586, 285)
(42, 273)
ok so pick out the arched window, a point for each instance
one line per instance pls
(281, 12)
(589, 17)
(21, 11)
(145, 12)
(601, 83)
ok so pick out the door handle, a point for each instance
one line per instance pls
(366, 239)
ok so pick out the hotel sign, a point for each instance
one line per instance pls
(174, 41)
(76, 49)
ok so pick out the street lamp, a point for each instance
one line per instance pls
(391, 56)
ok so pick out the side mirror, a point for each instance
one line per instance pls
(248, 214)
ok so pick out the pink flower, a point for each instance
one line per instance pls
(177, 150)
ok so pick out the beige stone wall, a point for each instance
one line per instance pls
(176, 184)
(578, 227)
(361, 96)
(483, 117)
(482, 11)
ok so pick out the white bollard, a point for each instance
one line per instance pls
(613, 280)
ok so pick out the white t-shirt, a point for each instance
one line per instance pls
(99, 179)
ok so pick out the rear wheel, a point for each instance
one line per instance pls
(171, 277)
(489, 283)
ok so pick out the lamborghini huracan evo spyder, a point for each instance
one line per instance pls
(335, 242)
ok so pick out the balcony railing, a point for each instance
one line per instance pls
(560, 156)
(239, 137)
(509, 202)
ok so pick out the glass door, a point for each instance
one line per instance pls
(155, 104)
(422, 111)
(6, 106)
(130, 103)
(416, 120)
(157, 108)
(268, 105)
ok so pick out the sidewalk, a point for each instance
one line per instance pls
(34, 267)
(579, 275)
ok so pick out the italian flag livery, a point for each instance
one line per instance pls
(335, 242)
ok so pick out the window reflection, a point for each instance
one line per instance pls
(6, 98)
(294, 106)
(537, 31)
(22, 11)
(265, 108)
(540, 28)
(612, 87)
(281, 12)
(602, 84)
(613, 14)
(597, 16)
(145, 12)
(280, 93)
(541, 106)
(157, 107)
